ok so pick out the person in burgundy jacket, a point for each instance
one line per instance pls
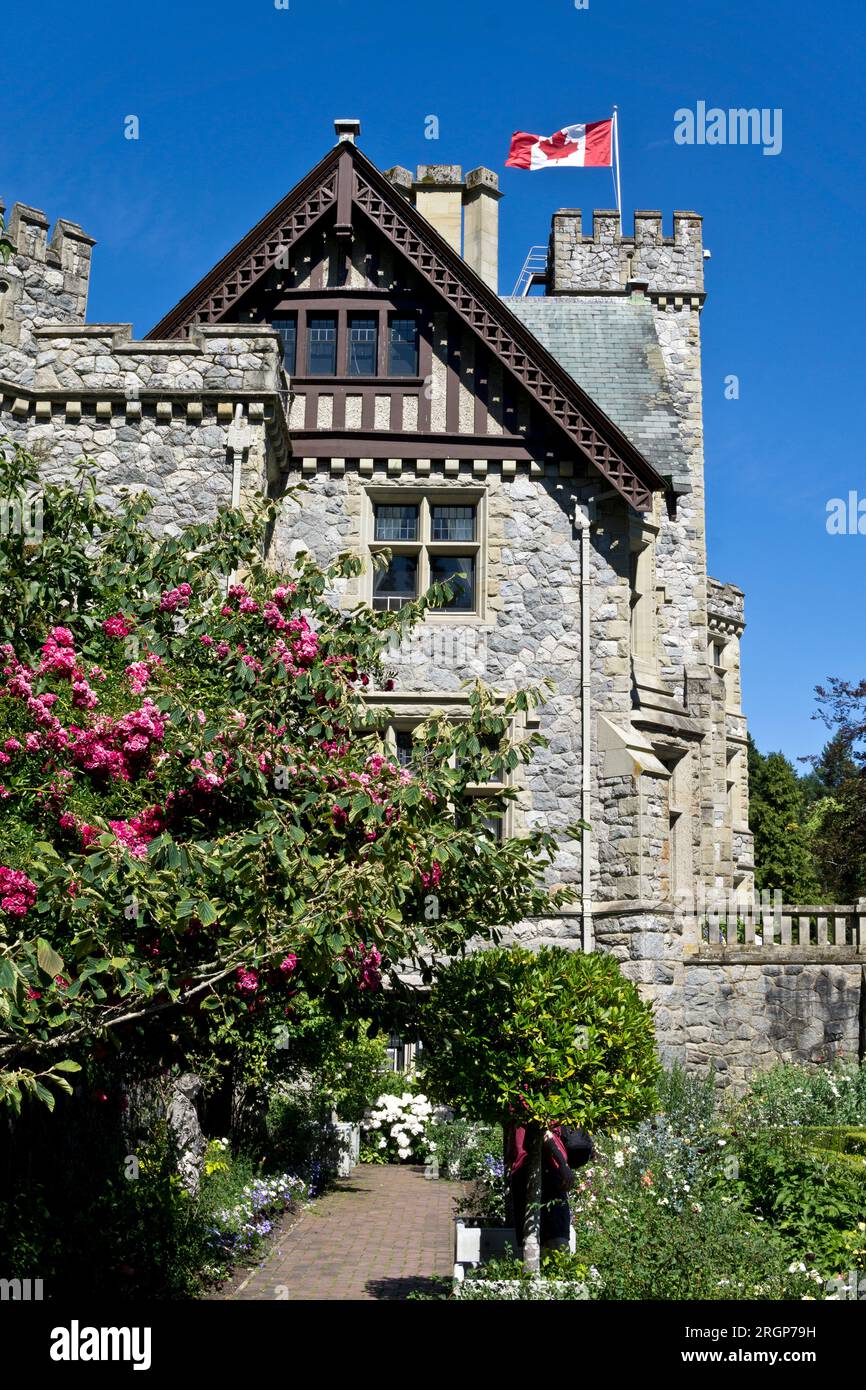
(563, 1151)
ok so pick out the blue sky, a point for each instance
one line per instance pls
(236, 103)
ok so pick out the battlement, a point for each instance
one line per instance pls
(44, 281)
(608, 262)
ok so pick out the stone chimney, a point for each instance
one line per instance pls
(439, 197)
(465, 213)
(481, 224)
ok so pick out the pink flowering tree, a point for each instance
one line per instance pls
(199, 813)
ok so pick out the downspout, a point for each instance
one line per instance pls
(238, 439)
(582, 515)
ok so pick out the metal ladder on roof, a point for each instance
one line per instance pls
(534, 272)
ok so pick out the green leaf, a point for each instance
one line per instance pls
(66, 1065)
(44, 1094)
(49, 961)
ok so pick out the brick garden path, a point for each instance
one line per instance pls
(379, 1234)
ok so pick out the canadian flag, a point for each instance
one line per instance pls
(577, 146)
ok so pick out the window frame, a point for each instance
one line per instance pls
(424, 499)
(475, 791)
(290, 316)
(370, 315)
(308, 328)
(393, 316)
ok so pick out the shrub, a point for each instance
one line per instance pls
(796, 1095)
(396, 1127)
(462, 1149)
(702, 1250)
(556, 1037)
(815, 1202)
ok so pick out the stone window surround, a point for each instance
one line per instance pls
(407, 709)
(411, 495)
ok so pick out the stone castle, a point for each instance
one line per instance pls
(547, 450)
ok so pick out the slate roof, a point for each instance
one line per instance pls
(609, 346)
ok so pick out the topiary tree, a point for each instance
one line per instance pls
(550, 1038)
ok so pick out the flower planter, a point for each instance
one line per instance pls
(474, 1245)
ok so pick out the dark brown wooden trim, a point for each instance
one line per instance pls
(360, 299)
(425, 367)
(339, 417)
(452, 379)
(482, 381)
(382, 383)
(345, 187)
(370, 443)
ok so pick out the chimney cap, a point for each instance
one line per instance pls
(400, 177)
(347, 128)
(482, 178)
(439, 175)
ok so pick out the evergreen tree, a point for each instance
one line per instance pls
(831, 769)
(777, 813)
(839, 820)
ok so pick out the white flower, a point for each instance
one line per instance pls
(619, 1158)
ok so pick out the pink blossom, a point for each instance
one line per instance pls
(118, 626)
(83, 696)
(432, 879)
(17, 892)
(247, 981)
(289, 963)
(367, 962)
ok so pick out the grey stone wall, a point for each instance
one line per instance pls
(531, 630)
(741, 1018)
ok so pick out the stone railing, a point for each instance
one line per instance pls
(782, 932)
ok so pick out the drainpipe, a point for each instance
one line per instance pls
(237, 442)
(583, 520)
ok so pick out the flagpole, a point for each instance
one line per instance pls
(616, 170)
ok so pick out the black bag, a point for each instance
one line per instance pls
(578, 1146)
